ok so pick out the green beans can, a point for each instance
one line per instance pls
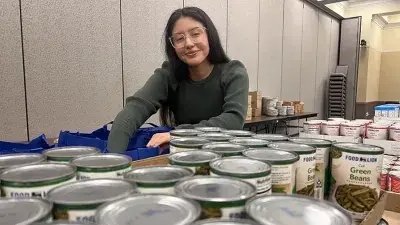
(255, 172)
(149, 209)
(305, 167)
(355, 178)
(187, 144)
(197, 161)
(225, 149)
(283, 171)
(102, 166)
(216, 137)
(238, 133)
(321, 164)
(271, 137)
(250, 142)
(65, 154)
(184, 133)
(157, 179)
(78, 201)
(10, 160)
(35, 180)
(24, 211)
(226, 222)
(295, 209)
(209, 129)
(219, 197)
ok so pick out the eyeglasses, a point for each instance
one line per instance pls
(195, 35)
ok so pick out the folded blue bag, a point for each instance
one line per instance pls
(37, 145)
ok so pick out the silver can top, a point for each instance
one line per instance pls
(224, 148)
(67, 153)
(312, 141)
(37, 172)
(61, 222)
(192, 142)
(225, 222)
(101, 160)
(271, 137)
(216, 137)
(158, 174)
(239, 166)
(209, 129)
(23, 211)
(20, 159)
(290, 209)
(273, 156)
(194, 156)
(149, 209)
(185, 132)
(94, 191)
(238, 133)
(250, 142)
(300, 149)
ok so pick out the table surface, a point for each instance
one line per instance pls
(263, 118)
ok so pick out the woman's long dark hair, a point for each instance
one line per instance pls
(216, 55)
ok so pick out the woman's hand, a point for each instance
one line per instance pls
(159, 139)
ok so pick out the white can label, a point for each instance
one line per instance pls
(82, 216)
(25, 192)
(93, 175)
(312, 128)
(156, 190)
(305, 175)
(395, 134)
(321, 165)
(283, 178)
(358, 174)
(377, 133)
(263, 184)
(174, 149)
(224, 213)
(332, 130)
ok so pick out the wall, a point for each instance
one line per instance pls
(80, 60)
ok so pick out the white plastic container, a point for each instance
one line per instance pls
(394, 132)
(377, 131)
(331, 128)
(351, 129)
(290, 110)
(363, 123)
(312, 127)
(282, 110)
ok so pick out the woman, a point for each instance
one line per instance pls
(198, 86)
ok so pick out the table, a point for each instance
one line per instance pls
(265, 121)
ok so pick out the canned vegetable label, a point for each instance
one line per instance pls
(355, 179)
(86, 174)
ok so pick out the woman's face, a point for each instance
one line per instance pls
(190, 41)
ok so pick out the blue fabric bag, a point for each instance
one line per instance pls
(37, 145)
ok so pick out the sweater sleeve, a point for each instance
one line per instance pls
(236, 87)
(139, 107)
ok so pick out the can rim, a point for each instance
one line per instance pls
(266, 171)
(341, 146)
(41, 158)
(76, 161)
(310, 150)
(318, 142)
(154, 183)
(46, 212)
(172, 158)
(197, 142)
(293, 160)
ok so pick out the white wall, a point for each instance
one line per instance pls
(78, 71)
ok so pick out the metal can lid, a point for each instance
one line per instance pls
(225, 222)
(62, 222)
(10, 160)
(149, 209)
(190, 157)
(289, 209)
(359, 148)
(273, 156)
(185, 132)
(300, 149)
(216, 136)
(224, 148)
(215, 189)
(158, 174)
(67, 153)
(312, 141)
(271, 137)
(238, 133)
(37, 172)
(106, 160)
(240, 167)
(192, 142)
(23, 210)
(88, 192)
(382, 222)
(209, 129)
(250, 142)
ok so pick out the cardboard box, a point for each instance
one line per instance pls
(256, 104)
(255, 95)
(376, 213)
(391, 147)
(249, 101)
(153, 161)
(332, 138)
(256, 112)
(249, 113)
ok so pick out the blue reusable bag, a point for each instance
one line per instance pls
(37, 145)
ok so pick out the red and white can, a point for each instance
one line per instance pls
(377, 131)
(331, 128)
(394, 132)
(312, 127)
(350, 129)
(384, 179)
(394, 181)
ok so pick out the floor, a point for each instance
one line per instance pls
(392, 218)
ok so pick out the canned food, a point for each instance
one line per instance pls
(238, 133)
(187, 144)
(219, 197)
(356, 169)
(352, 129)
(225, 149)
(79, 200)
(225, 222)
(250, 142)
(377, 131)
(382, 222)
(331, 128)
(337, 119)
(384, 179)
(294, 209)
(305, 167)
(24, 211)
(321, 164)
(65, 154)
(216, 137)
(283, 171)
(184, 133)
(209, 129)
(394, 181)
(312, 127)
(271, 137)
(10, 160)
(197, 161)
(157, 179)
(149, 209)
(394, 132)
(61, 222)
(35, 180)
(107, 165)
(255, 172)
